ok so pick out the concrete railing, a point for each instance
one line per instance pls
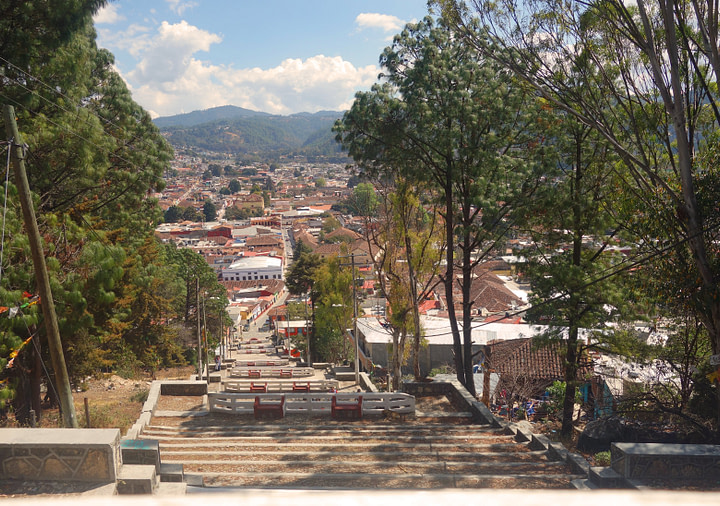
(312, 403)
(263, 362)
(271, 372)
(255, 351)
(243, 386)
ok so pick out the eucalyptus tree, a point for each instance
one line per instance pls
(408, 243)
(333, 314)
(465, 128)
(652, 94)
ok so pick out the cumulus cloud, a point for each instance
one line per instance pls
(169, 55)
(180, 6)
(385, 22)
(296, 85)
(108, 14)
(135, 40)
(169, 78)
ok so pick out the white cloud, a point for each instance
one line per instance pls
(385, 22)
(167, 57)
(180, 6)
(310, 85)
(108, 15)
(169, 78)
(135, 39)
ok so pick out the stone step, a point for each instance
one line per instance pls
(606, 477)
(358, 445)
(140, 451)
(171, 488)
(364, 456)
(351, 467)
(383, 480)
(171, 472)
(137, 479)
(188, 427)
(289, 438)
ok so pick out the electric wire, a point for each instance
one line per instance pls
(609, 272)
(71, 131)
(37, 350)
(77, 108)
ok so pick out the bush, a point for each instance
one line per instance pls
(140, 396)
(602, 458)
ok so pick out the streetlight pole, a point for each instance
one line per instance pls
(355, 336)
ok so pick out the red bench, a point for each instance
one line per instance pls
(301, 388)
(349, 410)
(253, 374)
(256, 389)
(285, 373)
(269, 408)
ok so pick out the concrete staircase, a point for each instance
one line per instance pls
(359, 455)
(142, 471)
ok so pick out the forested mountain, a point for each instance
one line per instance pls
(238, 131)
(190, 119)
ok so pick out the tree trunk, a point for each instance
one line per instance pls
(570, 380)
(467, 264)
(396, 366)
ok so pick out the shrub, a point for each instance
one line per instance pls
(602, 458)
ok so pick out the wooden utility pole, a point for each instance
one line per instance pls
(43, 280)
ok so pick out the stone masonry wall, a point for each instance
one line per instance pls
(86, 455)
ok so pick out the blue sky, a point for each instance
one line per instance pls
(276, 56)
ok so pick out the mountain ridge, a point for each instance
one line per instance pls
(235, 130)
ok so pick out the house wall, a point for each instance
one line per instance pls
(431, 357)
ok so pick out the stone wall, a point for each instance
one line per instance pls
(84, 455)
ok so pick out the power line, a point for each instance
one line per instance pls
(69, 130)
(610, 272)
(76, 107)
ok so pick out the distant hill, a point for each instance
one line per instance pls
(236, 130)
(189, 119)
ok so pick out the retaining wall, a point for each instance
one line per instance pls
(81, 455)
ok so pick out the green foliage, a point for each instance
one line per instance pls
(333, 311)
(364, 201)
(234, 186)
(172, 215)
(241, 213)
(209, 211)
(308, 134)
(462, 127)
(140, 396)
(556, 394)
(93, 158)
(602, 459)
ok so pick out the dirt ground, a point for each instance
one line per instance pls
(112, 401)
